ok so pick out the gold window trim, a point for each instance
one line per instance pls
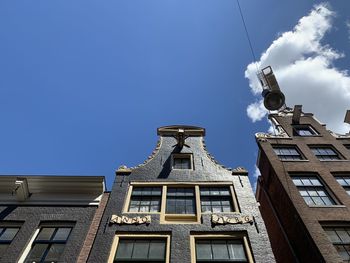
(180, 218)
(240, 236)
(138, 236)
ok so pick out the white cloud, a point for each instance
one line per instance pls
(305, 72)
(348, 26)
(256, 174)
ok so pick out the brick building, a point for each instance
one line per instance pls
(304, 189)
(49, 218)
(181, 206)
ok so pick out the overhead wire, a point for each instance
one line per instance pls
(257, 70)
(247, 35)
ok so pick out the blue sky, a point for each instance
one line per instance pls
(84, 84)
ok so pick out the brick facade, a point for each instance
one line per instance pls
(297, 233)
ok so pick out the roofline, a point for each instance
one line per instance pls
(188, 130)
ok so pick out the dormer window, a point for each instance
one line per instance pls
(182, 161)
(304, 130)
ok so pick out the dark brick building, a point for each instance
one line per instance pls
(49, 218)
(181, 206)
(304, 189)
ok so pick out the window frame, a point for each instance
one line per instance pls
(235, 236)
(182, 155)
(7, 225)
(343, 176)
(230, 198)
(314, 146)
(323, 187)
(127, 208)
(167, 218)
(117, 237)
(304, 126)
(285, 146)
(327, 226)
(55, 224)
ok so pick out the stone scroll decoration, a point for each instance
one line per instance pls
(115, 219)
(236, 219)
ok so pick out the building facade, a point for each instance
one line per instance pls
(49, 218)
(304, 189)
(181, 206)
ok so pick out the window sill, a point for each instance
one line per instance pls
(314, 135)
(334, 160)
(141, 213)
(180, 219)
(221, 213)
(294, 160)
(327, 206)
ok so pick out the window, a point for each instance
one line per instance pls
(180, 201)
(145, 199)
(140, 250)
(325, 153)
(182, 161)
(344, 181)
(216, 199)
(304, 130)
(340, 237)
(48, 245)
(220, 248)
(312, 190)
(287, 153)
(7, 234)
(128, 248)
(347, 146)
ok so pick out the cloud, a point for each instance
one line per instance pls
(256, 174)
(348, 27)
(305, 72)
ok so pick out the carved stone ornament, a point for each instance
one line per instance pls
(238, 219)
(115, 219)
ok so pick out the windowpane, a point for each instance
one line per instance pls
(287, 153)
(182, 162)
(125, 248)
(37, 252)
(332, 235)
(145, 199)
(145, 250)
(180, 201)
(49, 244)
(8, 234)
(216, 199)
(312, 190)
(297, 181)
(340, 238)
(203, 250)
(343, 252)
(62, 234)
(157, 249)
(306, 181)
(325, 153)
(220, 250)
(45, 233)
(345, 182)
(141, 248)
(55, 252)
(236, 250)
(343, 235)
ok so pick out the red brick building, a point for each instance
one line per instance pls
(304, 189)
